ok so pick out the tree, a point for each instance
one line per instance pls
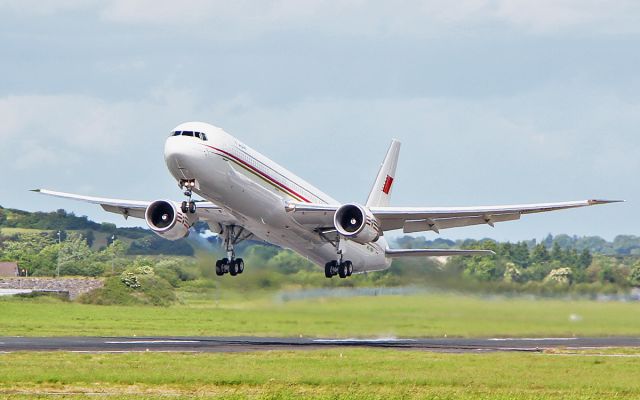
(556, 252)
(76, 258)
(585, 259)
(520, 254)
(90, 237)
(560, 275)
(482, 268)
(634, 277)
(540, 254)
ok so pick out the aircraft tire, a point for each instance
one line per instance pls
(328, 269)
(183, 207)
(342, 270)
(240, 265)
(349, 268)
(233, 268)
(192, 207)
(219, 270)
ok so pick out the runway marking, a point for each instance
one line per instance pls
(154, 342)
(130, 351)
(531, 339)
(354, 340)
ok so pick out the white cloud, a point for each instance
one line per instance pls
(386, 18)
(245, 18)
(52, 130)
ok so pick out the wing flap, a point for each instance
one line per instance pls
(437, 224)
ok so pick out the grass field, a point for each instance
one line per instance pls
(381, 316)
(326, 374)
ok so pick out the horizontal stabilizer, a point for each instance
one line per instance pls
(395, 253)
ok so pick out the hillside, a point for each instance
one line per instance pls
(139, 241)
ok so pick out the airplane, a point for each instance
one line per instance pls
(249, 196)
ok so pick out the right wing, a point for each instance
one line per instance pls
(205, 211)
(420, 219)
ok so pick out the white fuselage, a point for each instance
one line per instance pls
(256, 190)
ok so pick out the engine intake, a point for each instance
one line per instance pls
(357, 223)
(167, 220)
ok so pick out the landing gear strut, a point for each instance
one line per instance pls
(188, 206)
(230, 264)
(342, 269)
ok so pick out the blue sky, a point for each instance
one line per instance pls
(495, 102)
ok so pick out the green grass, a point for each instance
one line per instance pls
(18, 231)
(352, 373)
(383, 316)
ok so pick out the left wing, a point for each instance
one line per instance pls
(419, 219)
(206, 211)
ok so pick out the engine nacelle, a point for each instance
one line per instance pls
(167, 220)
(357, 223)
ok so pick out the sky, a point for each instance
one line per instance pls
(495, 101)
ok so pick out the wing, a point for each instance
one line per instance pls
(206, 211)
(395, 253)
(420, 219)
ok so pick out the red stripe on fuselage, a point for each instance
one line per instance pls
(262, 174)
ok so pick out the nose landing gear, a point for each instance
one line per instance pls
(188, 206)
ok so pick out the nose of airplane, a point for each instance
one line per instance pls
(180, 152)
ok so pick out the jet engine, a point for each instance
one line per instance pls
(357, 223)
(167, 220)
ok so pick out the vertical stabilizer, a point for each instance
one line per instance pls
(381, 191)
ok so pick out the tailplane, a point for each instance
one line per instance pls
(381, 191)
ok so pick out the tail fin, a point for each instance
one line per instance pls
(381, 191)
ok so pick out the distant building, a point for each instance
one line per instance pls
(9, 269)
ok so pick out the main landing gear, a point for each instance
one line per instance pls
(188, 206)
(342, 269)
(230, 264)
(232, 267)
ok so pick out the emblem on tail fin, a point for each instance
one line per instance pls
(385, 177)
(387, 184)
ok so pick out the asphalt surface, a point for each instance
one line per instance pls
(240, 344)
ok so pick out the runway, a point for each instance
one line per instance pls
(244, 344)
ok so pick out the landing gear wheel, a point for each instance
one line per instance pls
(219, 270)
(349, 268)
(342, 270)
(240, 265)
(192, 207)
(327, 270)
(233, 268)
(184, 207)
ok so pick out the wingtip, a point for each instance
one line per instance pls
(600, 201)
(35, 190)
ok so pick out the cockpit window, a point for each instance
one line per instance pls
(199, 135)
